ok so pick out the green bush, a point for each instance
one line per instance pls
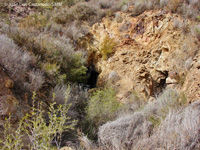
(55, 56)
(76, 70)
(66, 59)
(102, 106)
(37, 130)
(106, 47)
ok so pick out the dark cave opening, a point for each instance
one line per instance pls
(162, 84)
(92, 76)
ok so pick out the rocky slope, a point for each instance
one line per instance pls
(154, 50)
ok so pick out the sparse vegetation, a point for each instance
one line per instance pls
(130, 130)
(34, 127)
(46, 50)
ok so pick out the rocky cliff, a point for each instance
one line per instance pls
(154, 50)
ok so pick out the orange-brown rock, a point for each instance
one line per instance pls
(5, 83)
(154, 51)
(9, 104)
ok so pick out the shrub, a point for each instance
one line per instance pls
(124, 132)
(85, 12)
(59, 91)
(179, 130)
(196, 31)
(35, 80)
(185, 27)
(73, 32)
(56, 29)
(139, 8)
(13, 59)
(104, 4)
(79, 96)
(33, 126)
(36, 21)
(173, 5)
(52, 69)
(56, 55)
(166, 101)
(107, 46)
(64, 17)
(176, 24)
(102, 106)
(71, 63)
(77, 99)
(163, 3)
(133, 130)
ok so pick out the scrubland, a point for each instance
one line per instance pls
(48, 53)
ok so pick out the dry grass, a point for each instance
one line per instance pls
(179, 130)
(144, 128)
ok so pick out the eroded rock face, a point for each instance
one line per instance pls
(149, 50)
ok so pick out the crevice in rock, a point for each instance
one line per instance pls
(92, 76)
(160, 86)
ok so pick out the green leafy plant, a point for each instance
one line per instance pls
(12, 140)
(40, 133)
(102, 106)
